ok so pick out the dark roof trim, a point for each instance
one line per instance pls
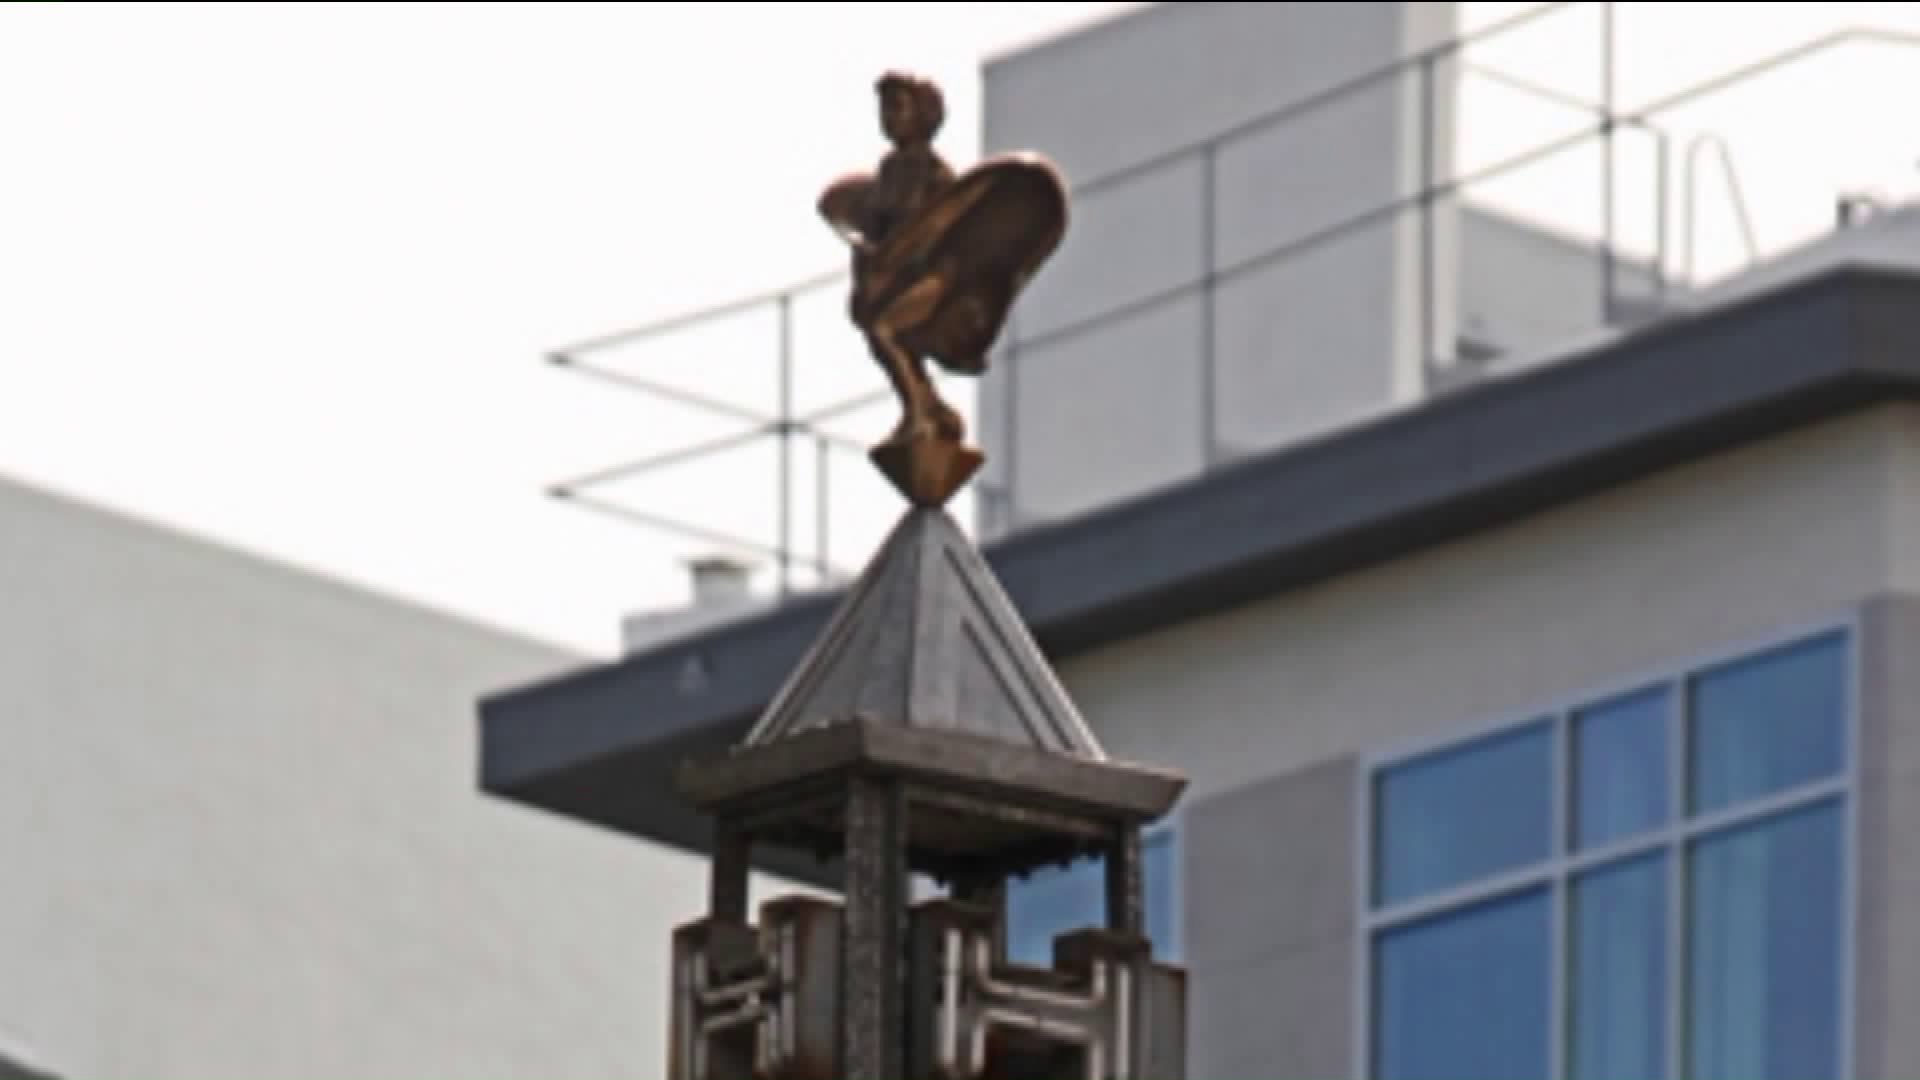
(601, 744)
(14, 1070)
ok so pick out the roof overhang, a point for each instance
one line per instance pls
(602, 744)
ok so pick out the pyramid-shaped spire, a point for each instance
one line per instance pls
(925, 675)
(927, 639)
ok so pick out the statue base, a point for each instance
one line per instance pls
(927, 469)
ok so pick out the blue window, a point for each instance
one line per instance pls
(1059, 901)
(1620, 783)
(1762, 958)
(1451, 817)
(1767, 724)
(1617, 970)
(1645, 886)
(1438, 979)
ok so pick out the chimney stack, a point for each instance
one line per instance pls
(722, 590)
(720, 581)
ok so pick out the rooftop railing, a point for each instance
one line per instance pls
(1534, 121)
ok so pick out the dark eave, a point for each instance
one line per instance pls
(13, 1070)
(601, 744)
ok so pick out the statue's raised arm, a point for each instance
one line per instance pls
(938, 261)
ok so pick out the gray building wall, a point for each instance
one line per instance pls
(243, 840)
(1887, 978)
(1269, 934)
(1525, 290)
(1298, 346)
(1297, 690)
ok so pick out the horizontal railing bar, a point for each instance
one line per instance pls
(1767, 64)
(1545, 93)
(666, 458)
(706, 314)
(1316, 100)
(694, 532)
(843, 407)
(1313, 239)
(767, 423)
(671, 393)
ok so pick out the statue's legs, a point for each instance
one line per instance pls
(924, 414)
(899, 365)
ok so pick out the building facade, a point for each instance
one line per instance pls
(1540, 656)
(1584, 758)
(241, 836)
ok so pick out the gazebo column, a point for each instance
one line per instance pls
(873, 941)
(727, 877)
(1125, 904)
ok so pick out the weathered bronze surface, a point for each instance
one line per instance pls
(938, 261)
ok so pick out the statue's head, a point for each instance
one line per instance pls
(911, 108)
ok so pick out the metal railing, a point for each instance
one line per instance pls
(1690, 190)
(812, 432)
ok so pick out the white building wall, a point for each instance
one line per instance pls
(1272, 709)
(1695, 559)
(243, 839)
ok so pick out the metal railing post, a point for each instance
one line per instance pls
(785, 428)
(1609, 299)
(1662, 168)
(823, 517)
(1209, 373)
(1429, 185)
(1010, 420)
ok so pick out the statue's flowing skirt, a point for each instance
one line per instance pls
(984, 237)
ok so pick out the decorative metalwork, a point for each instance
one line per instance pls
(747, 1005)
(1105, 1011)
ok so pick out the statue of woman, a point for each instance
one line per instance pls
(938, 259)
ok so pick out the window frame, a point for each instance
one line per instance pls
(1674, 837)
(1172, 827)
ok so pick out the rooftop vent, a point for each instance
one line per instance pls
(722, 588)
(720, 580)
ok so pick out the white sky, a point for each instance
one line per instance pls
(283, 275)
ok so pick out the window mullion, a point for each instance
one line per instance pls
(1621, 831)
(1560, 989)
(1676, 930)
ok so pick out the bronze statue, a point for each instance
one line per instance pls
(938, 261)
